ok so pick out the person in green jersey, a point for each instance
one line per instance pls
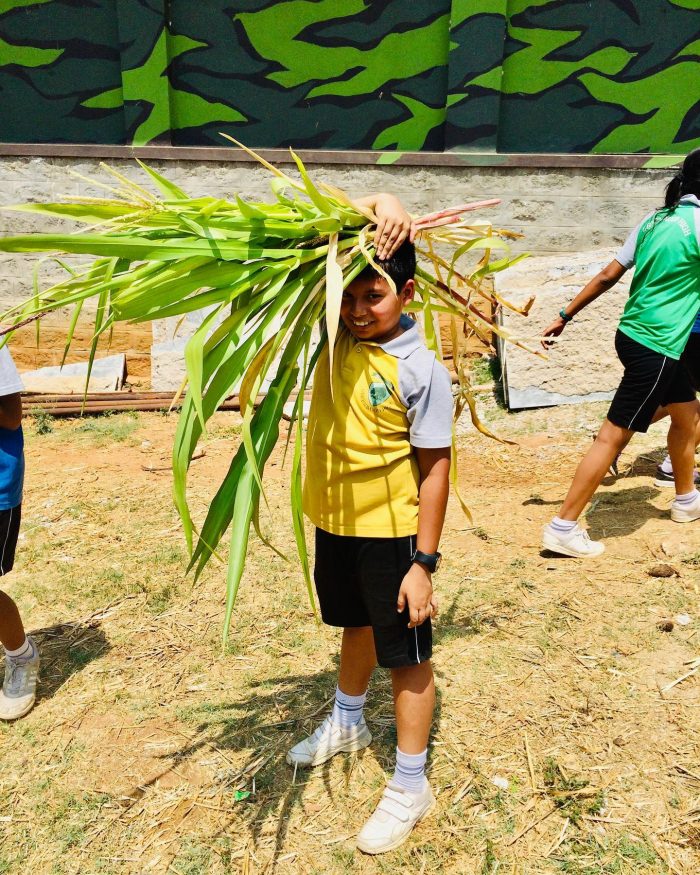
(653, 331)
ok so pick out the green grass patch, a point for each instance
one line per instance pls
(573, 796)
(192, 859)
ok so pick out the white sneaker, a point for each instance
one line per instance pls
(19, 687)
(574, 543)
(398, 812)
(326, 741)
(686, 513)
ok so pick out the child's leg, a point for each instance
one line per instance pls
(12, 634)
(414, 703)
(341, 603)
(666, 465)
(408, 796)
(344, 730)
(593, 467)
(18, 692)
(681, 444)
(357, 660)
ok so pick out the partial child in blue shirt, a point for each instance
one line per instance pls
(18, 692)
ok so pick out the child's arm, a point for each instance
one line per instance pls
(394, 224)
(416, 587)
(600, 283)
(11, 411)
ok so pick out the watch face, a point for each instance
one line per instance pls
(430, 560)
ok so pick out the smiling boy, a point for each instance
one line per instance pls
(378, 459)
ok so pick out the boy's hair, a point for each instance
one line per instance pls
(401, 267)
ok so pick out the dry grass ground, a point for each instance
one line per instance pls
(561, 744)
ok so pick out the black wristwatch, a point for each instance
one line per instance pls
(430, 560)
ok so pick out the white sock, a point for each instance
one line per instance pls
(26, 651)
(563, 527)
(666, 465)
(410, 770)
(688, 498)
(347, 710)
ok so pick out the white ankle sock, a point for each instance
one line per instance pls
(562, 526)
(410, 770)
(347, 710)
(688, 498)
(666, 465)
(26, 651)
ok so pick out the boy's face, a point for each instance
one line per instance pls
(371, 311)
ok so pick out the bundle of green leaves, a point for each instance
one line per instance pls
(266, 273)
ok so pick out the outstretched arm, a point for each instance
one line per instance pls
(394, 224)
(600, 283)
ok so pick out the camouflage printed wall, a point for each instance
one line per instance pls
(465, 75)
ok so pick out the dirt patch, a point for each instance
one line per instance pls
(562, 741)
(133, 340)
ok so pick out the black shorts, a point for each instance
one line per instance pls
(650, 380)
(358, 582)
(691, 360)
(9, 532)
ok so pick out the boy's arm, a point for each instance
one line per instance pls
(600, 283)
(394, 224)
(11, 411)
(416, 587)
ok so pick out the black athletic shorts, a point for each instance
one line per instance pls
(650, 380)
(9, 532)
(691, 360)
(358, 582)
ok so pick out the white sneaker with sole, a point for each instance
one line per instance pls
(686, 513)
(326, 741)
(398, 812)
(19, 687)
(575, 543)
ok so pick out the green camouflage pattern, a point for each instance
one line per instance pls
(459, 75)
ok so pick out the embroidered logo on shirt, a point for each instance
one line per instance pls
(379, 390)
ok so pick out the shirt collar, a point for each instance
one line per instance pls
(407, 342)
(690, 199)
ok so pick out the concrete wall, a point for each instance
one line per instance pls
(560, 211)
(582, 364)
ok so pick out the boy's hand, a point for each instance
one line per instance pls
(417, 591)
(394, 225)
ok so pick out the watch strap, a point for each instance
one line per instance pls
(430, 560)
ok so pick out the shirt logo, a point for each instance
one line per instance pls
(379, 390)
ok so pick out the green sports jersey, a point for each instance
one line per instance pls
(665, 292)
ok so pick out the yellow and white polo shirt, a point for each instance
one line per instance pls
(361, 473)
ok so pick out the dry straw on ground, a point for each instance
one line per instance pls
(567, 736)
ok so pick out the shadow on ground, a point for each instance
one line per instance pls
(623, 512)
(278, 712)
(65, 649)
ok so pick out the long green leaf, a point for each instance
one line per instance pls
(194, 364)
(169, 189)
(135, 249)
